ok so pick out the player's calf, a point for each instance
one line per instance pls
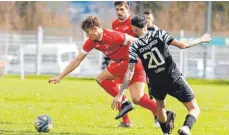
(190, 119)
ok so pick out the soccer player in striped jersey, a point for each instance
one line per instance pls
(164, 75)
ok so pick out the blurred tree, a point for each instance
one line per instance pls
(27, 10)
(9, 18)
(44, 14)
(220, 15)
(155, 6)
(172, 16)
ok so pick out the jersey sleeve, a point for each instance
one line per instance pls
(133, 55)
(87, 47)
(165, 37)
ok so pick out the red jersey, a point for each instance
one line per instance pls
(113, 44)
(124, 27)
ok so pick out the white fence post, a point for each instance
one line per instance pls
(213, 61)
(40, 35)
(185, 63)
(227, 41)
(83, 41)
(181, 53)
(6, 53)
(22, 62)
(70, 51)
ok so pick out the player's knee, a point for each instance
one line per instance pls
(197, 110)
(135, 99)
(99, 79)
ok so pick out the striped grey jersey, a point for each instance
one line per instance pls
(153, 51)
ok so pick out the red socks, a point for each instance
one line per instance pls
(111, 88)
(149, 104)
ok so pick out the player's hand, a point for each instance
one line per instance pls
(54, 80)
(206, 38)
(117, 101)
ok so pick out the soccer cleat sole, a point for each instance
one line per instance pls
(125, 110)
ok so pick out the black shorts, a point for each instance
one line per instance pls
(179, 89)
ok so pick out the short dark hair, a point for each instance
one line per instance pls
(90, 22)
(138, 21)
(126, 3)
(148, 12)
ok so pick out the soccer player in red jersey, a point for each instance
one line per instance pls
(123, 24)
(115, 45)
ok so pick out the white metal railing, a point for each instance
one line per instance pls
(14, 52)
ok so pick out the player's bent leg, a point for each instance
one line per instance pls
(183, 92)
(161, 111)
(193, 108)
(161, 115)
(141, 98)
(156, 122)
(127, 106)
(137, 91)
(190, 119)
(105, 75)
(105, 81)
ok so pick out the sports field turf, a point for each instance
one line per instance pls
(81, 107)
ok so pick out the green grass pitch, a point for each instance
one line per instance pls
(81, 107)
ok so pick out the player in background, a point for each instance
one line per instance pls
(123, 24)
(164, 75)
(149, 20)
(115, 45)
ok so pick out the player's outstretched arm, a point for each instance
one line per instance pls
(72, 65)
(206, 38)
(127, 78)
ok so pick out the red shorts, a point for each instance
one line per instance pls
(118, 69)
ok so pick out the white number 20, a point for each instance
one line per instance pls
(153, 58)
